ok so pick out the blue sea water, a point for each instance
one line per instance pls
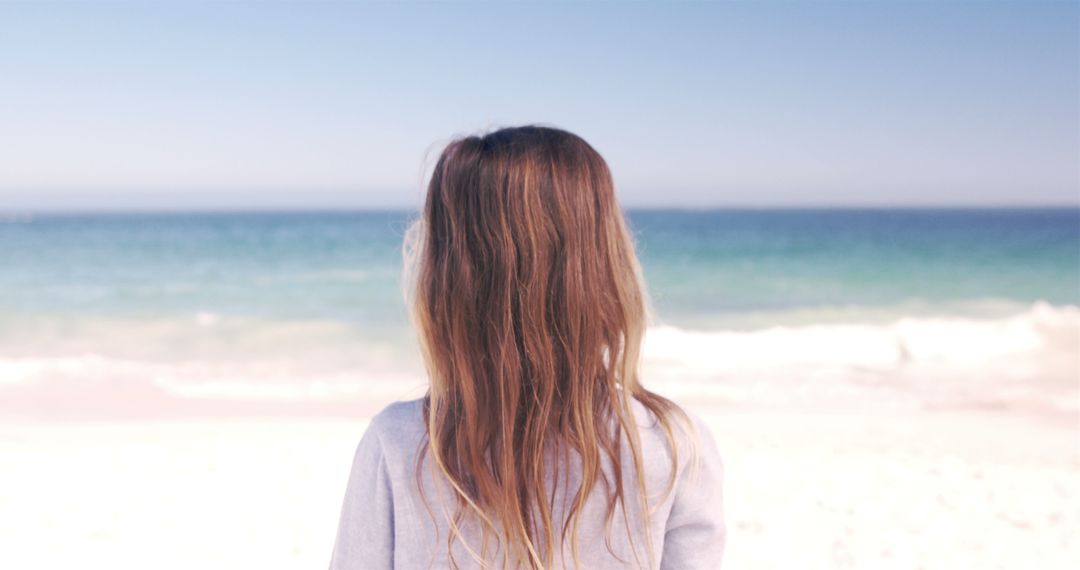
(172, 297)
(698, 264)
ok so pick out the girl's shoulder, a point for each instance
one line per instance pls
(399, 429)
(400, 414)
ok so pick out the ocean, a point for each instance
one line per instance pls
(165, 314)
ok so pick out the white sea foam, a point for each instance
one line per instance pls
(1030, 359)
(206, 318)
(949, 341)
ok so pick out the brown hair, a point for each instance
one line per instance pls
(530, 309)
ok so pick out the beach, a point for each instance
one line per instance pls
(933, 490)
(888, 389)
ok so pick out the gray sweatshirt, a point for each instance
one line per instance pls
(385, 525)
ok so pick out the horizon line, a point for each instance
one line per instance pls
(10, 214)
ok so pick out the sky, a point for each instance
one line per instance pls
(158, 105)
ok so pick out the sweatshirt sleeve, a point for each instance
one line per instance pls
(696, 532)
(365, 536)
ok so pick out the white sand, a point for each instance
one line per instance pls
(945, 490)
(940, 491)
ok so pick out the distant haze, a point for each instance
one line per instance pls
(335, 105)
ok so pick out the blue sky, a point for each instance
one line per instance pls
(260, 104)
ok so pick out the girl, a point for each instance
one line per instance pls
(536, 445)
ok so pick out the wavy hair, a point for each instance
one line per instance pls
(527, 297)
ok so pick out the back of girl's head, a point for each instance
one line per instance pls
(530, 308)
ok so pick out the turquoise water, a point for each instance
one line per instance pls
(700, 266)
(154, 315)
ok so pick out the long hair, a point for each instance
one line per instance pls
(529, 304)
